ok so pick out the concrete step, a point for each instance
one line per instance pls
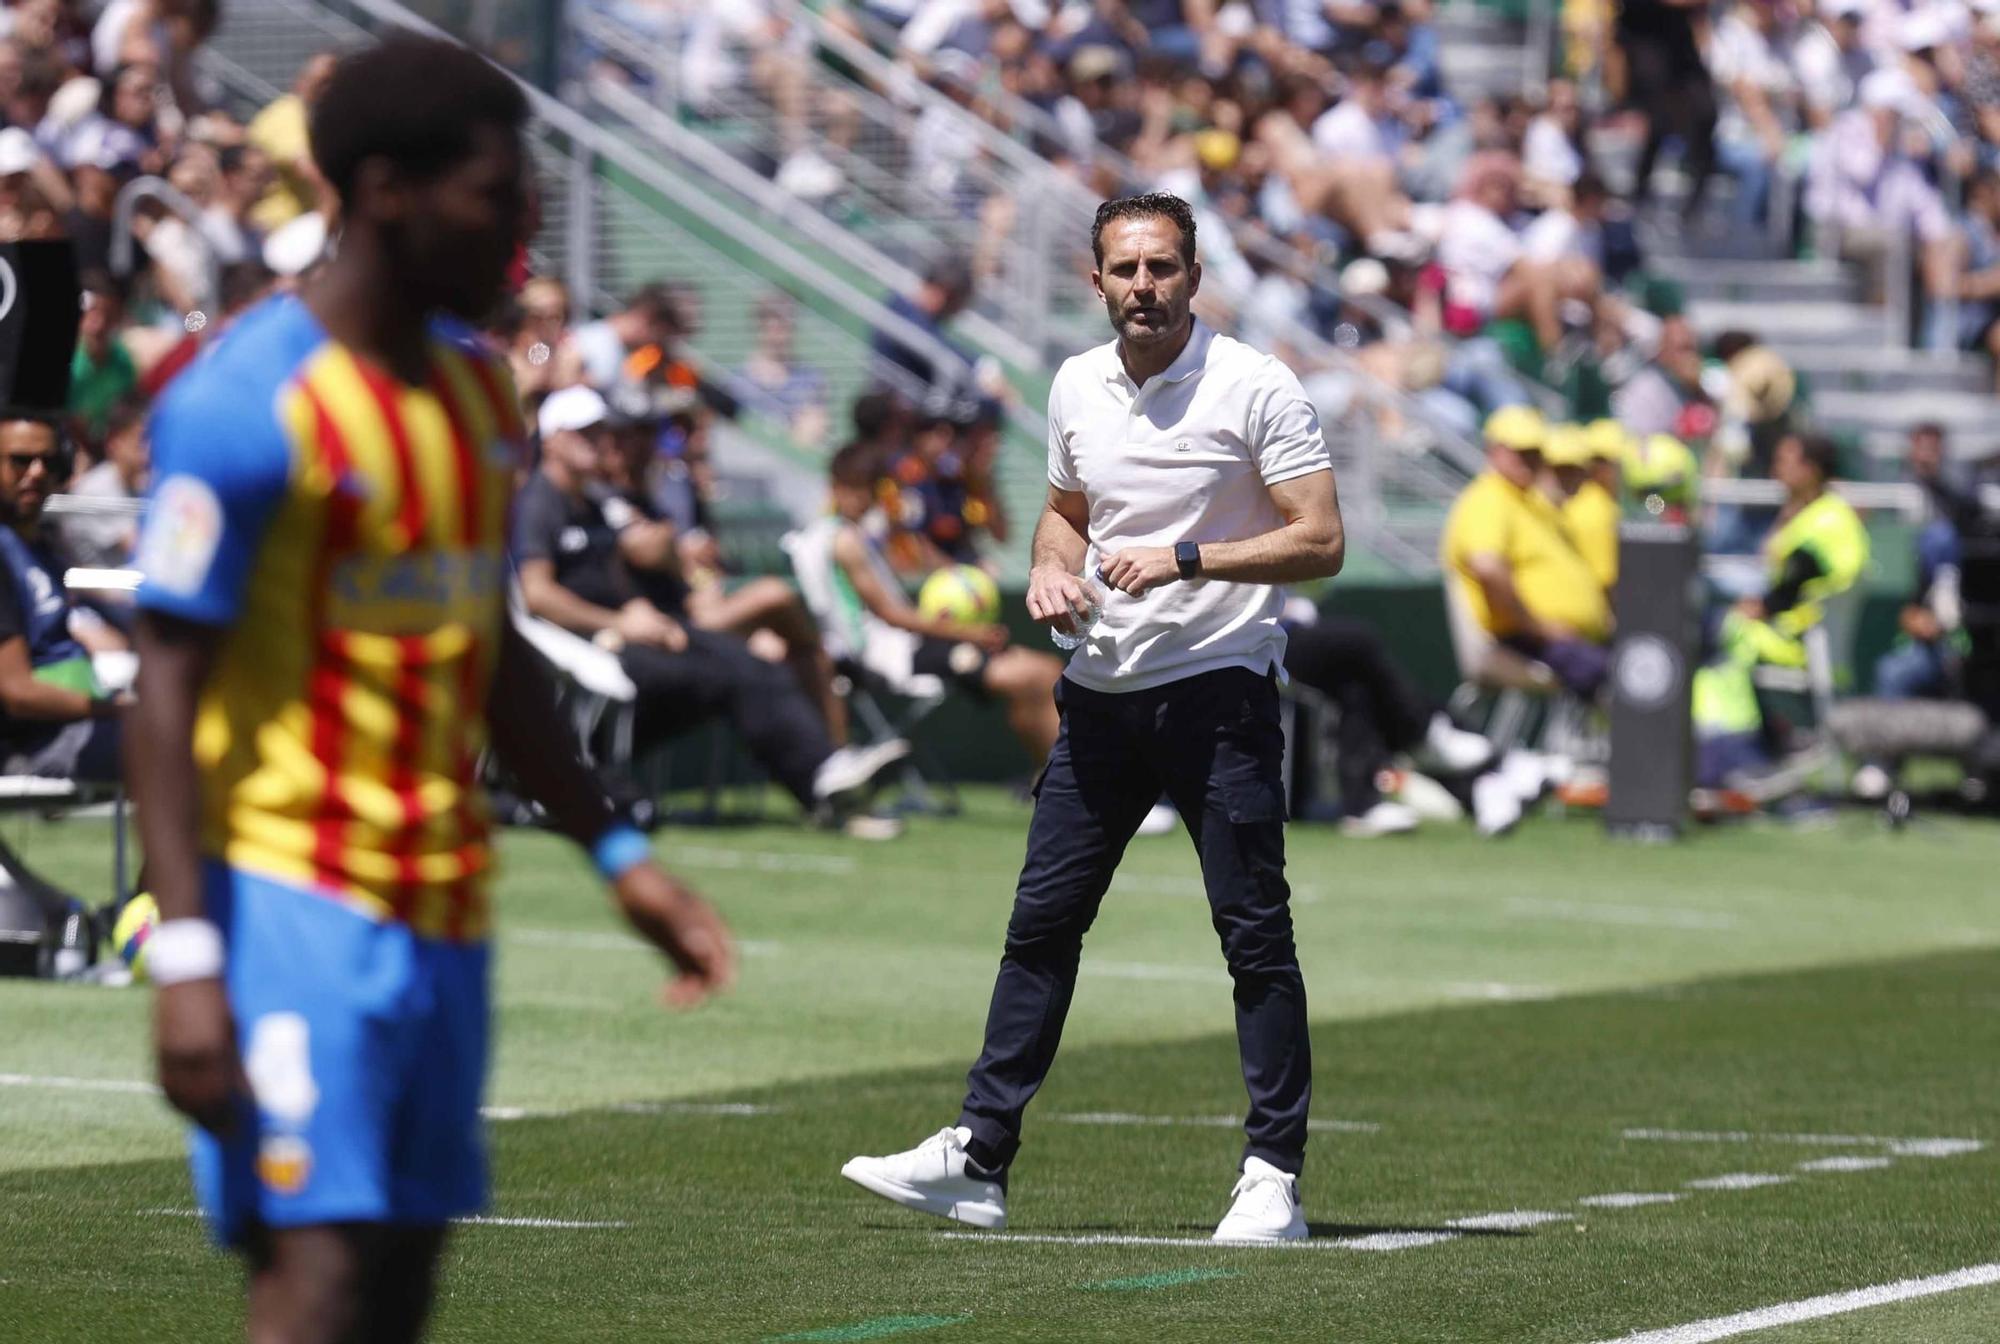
(1892, 446)
(1967, 413)
(1474, 69)
(1819, 322)
(1862, 369)
(1784, 282)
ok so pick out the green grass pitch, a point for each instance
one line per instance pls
(1521, 1028)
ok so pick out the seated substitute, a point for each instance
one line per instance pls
(878, 627)
(1515, 567)
(1816, 551)
(574, 574)
(657, 484)
(1589, 509)
(55, 720)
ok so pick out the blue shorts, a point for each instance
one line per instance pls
(365, 1047)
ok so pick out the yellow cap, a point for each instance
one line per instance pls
(1565, 447)
(1607, 439)
(1518, 427)
(1217, 149)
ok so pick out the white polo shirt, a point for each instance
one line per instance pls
(1191, 456)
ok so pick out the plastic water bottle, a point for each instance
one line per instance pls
(1084, 624)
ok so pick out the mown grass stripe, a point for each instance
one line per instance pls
(879, 1328)
(1171, 1279)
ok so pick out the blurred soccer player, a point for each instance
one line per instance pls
(326, 654)
(1188, 473)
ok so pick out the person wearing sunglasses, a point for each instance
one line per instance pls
(56, 721)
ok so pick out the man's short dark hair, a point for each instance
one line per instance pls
(415, 101)
(873, 413)
(856, 466)
(1928, 428)
(1152, 205)
(126, 412)
(1732, 343)
(1823, 453)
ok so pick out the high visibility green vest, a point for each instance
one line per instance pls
(1831, 531)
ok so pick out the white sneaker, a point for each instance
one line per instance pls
(1454, 750)
(1529, 775)
(1872, 783)
(850, 769)
(1385, 818)
(1266, 1206)
(932, 1178)
(1496, 804)
(1430, 800)
(808, 176)
(1160, 821)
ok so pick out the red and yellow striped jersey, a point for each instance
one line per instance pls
(348, 531)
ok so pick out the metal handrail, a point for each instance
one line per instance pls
(159, 189)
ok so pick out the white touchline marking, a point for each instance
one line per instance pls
(711, 856)
(1901, 1147)
(1846, 1163)
(482, 1220)
(1813, 1308)
(1203, 1121)
(1626, 1201)
(1739, 1180)
(1149, 970)
(729, 1108)
(1494, 989)
(79, 1084)
(1512, 1221)
(1107, 1239)
(1626, 916)
(1395, 1241)
(1934, 1147)
(583, 940)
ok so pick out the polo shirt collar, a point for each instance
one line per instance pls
(1190, 360)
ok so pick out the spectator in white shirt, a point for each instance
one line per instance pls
(1552, 153)
(1750, 57)
(1488, 274)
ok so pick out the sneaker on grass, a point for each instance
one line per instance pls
(935, 1177)
(1266, 1206)
(850, 770)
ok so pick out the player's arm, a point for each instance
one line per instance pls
(519, 711)
(194, 1035)
(890, 607)
(1056, 594)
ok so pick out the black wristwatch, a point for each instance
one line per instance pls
(1187, 554)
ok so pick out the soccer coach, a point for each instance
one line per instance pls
(1188, 472)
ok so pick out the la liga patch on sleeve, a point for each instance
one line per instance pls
(183, 532)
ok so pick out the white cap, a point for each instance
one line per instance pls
(17, 151)
(1922, 29)
(572, 408)
(1887, 89)
(294, 248)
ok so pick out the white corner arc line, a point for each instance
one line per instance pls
(1814, 1308)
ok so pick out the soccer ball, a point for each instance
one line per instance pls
(962, 593)
(130, 934)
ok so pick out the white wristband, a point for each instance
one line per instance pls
(182, 950)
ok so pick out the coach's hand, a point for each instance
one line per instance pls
(194, 1037)
(1058, 598)
(684, 927)
(1140, 569)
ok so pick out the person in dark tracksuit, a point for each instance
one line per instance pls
(1187, 476)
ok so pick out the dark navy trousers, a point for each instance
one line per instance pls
(1213, 744)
